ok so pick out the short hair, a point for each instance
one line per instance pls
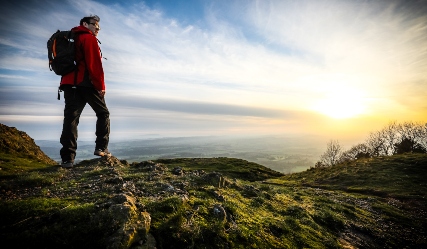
(87, 19)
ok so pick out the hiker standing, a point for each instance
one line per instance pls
(85, 85)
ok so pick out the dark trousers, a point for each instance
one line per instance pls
(75, 101)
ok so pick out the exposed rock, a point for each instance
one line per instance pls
(149, 243)
(197, 172)
(216, 179)
(220, 212)
(177, 171)
(250, 191)
(170, 188)
(129, 186)
(134, 223)
(151, 166)
(112, 161)
(180, 184)
(114, 180)
(184, 198)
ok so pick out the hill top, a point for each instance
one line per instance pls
(212, 203)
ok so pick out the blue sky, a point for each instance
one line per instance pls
(335, 68)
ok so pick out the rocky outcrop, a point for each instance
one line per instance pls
(134, 224)
(126, 212)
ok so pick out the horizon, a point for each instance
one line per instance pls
(281, 153)
(331, 69)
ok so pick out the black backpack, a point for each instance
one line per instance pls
(61, 52)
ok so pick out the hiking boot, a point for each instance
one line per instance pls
(67, 164)
(101, 152)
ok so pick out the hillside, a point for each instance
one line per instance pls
(18, 143)
(212, 203)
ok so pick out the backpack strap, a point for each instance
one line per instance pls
(77, 63)
(59, 90)
(51, 44)
(100, 48)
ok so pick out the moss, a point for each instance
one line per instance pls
(48, 223)
(312, 209)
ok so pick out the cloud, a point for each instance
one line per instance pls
(231, 64)
(195, 107)
(41, 98)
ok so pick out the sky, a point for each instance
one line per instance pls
(333, 68)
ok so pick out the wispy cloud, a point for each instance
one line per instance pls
(270, 61)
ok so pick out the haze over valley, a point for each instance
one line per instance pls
(285, 154)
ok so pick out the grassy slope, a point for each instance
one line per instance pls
(367, 204)
(400, 176)
(391, 189)
(371, 203)
(19, 144)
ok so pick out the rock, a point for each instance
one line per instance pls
(129, 186)
(151, 166)
(169, 188)
(251, 191)
(114, 180)
(184, 198)
(134, 224)
(148, 243)
(220, 212)
(180, 185)
(122, 198)
(177, 171)
(110, 161)
(216, 179)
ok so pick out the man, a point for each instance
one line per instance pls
(85, 85)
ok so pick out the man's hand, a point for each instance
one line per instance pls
(101, 93)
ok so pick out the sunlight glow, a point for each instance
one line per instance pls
(339, 99)
(329, 68)
(340, 107)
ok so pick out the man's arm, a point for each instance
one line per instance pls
(94, 64)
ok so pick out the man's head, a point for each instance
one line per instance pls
(92, 23)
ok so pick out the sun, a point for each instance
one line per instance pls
(338, 95)
(340, 107)
(341, 103)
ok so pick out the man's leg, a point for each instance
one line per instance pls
(74, 105)
(103, 118)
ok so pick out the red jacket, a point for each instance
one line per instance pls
(88, 57)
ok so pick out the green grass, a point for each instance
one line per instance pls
(397, 176)
(49, 223)
(315, 207)
(12, 165)
(24, 174)
(229, 167)
(369, 203)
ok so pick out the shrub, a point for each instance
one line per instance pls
(409, 145)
